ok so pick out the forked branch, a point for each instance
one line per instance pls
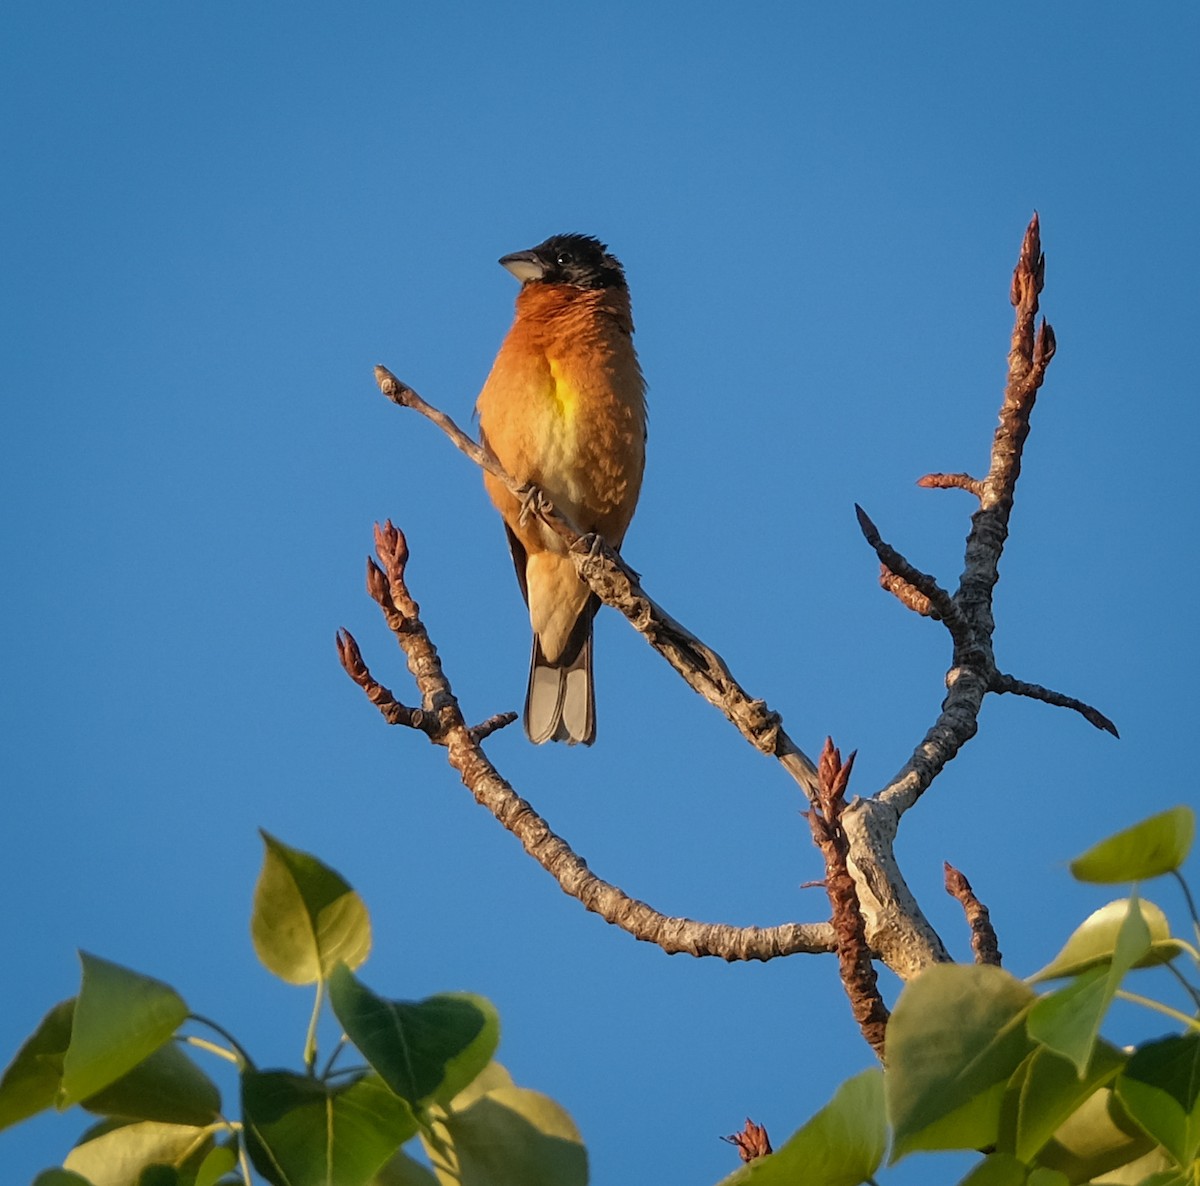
(441, 720)
(895, 928)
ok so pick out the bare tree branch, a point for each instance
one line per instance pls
(1005, 683)
(983, 934)
(853, 950)
(441, 720)
(617, 585)
(896, 929)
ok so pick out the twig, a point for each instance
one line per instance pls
(1002, 683)
(440, 719)
(983, 934)
(908, 595)
(853, 950)
(617, 585)
(973, 672)
(952, 482)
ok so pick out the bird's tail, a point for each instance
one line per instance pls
(561, 704)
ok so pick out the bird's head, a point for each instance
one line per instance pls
(578, 260)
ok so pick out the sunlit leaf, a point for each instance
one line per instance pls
(306, 918)
(1068, 1020)
(121, 1017)
(1044, 1177)
(167, 1086)
(302, 1132)
(1155, 846)
(1160, 1088)
(1046, 1093)
(1097, 1142)
(402, 1170)
(116, 1153)
(955, 1037)
(423, 1050)
(1095, 941)
(31, 1081)
(997, 1169)
(508, 1137)
(842, 1145)
(219, 1161)
(60, 1177)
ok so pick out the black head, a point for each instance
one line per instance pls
(578, 260)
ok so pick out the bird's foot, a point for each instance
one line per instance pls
(533, 503)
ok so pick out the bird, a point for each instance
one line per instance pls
(564, 409)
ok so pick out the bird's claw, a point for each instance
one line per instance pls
(533, 503)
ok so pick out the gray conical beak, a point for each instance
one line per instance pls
(524, 265)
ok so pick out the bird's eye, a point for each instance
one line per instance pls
(563, 258)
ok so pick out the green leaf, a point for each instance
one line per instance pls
(1068, 1020)
(159, 1175)
(1097, 1141)
(31, 1081)
(60, 1177)
(301, 1132)
(509, 1136)
(1044, 1177)
(954, 1039)
(1095, 941)
(121, 1017)
(168, 1086)
(842, 1145)
(219, 1161)
(306, 917)
(1046, 1092)
(997, 1169)
(402, 1170)
(423, 1050)
(115, 1153)
(1155, 846)
(1160, 1088)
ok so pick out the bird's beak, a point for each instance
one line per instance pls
(524, 265)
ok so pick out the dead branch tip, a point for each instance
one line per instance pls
(752, 1142)
(983, 935)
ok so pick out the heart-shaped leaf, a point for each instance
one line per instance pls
(1160, 1088)
(306, 918)
(1095, 941)
(842, 1145)
(302, 1132)
(509, 1136)
(1155, 846)
(32, 1080)
(1068, 1020)
(423, 1050)
(955, 1037)
(120, 1018)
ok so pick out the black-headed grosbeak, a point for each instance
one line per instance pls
(564, 408)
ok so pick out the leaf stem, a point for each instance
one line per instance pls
(1191, 902)
(1158, 1007)
(310, 1040)
(244, 1061)
(1188, 987)
(337, 1049)
(212, 1047)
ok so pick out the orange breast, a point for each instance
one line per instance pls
(564, 405)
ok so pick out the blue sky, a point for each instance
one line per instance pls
(217, 218)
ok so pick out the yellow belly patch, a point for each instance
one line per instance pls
(565, 396)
